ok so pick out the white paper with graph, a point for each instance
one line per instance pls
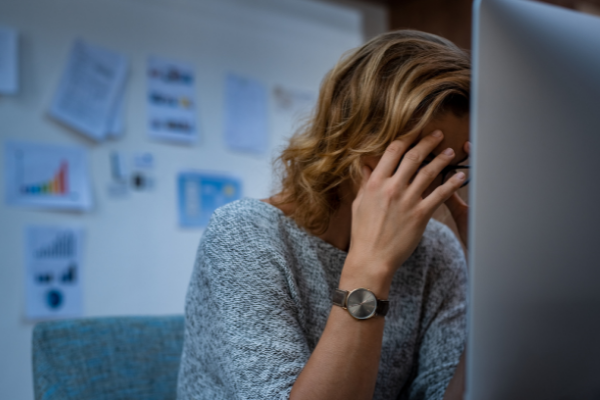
(47, 175)
(53, 272)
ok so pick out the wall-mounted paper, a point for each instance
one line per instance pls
(89, 90)
(246, 114)
(9, 61)
(171, 101)
(202, 193)
(53, 272)
(48, 176)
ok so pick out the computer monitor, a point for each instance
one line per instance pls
(534, 312)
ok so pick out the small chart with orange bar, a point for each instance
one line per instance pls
(56, 186)
(47, 176)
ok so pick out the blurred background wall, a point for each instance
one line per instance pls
(137, 259)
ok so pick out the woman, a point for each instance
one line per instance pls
(351, 223)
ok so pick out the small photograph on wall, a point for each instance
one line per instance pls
(47, 176)
(171, 101)
(53, 272)
(201, 193)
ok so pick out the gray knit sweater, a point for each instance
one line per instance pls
(260, 296)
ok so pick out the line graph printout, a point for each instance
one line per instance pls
(49, 176)
(53, 272)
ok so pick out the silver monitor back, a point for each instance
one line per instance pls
(534, 315)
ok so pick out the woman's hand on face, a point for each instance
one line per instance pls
(459, 209)
(389, 214)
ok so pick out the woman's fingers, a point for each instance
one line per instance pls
(413, 159)
(443, 193)
(430, 172)
(390, 159)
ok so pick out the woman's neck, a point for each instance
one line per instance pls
(340, 224)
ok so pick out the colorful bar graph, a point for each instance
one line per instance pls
(57, 186)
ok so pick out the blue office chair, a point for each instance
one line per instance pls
(107, 358)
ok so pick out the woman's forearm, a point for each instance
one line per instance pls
(345, 363)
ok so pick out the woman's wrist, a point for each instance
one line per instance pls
(370, 275)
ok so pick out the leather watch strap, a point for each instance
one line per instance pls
(382, 307)
(339, 299)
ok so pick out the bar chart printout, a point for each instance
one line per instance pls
(53, 272)
(47, 176)
(57, 185)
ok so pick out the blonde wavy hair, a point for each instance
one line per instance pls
(391, 86)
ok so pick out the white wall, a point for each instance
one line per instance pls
(375, 17)
(136, 258)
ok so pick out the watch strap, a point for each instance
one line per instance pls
(340, 296)
(382, 307)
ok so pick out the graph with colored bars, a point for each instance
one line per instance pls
(63, 246)
(56, 186)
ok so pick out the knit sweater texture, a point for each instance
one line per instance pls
(260, 295)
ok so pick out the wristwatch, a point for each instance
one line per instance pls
(361, 303)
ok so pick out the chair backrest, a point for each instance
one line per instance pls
(107, 358)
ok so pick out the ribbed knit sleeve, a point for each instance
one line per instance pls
(243, 339)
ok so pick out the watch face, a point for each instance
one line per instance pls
(361, 303)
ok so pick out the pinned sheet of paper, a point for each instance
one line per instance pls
(246, 114)
(200, 194)
(295, 102)
(47, 176)
(53, 272)
(171, 101)
(90, 89)
(9, 61)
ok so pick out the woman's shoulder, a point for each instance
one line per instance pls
(440, 232)
(245, 214)
(441, 247)
(245, 227)
(246, 244)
